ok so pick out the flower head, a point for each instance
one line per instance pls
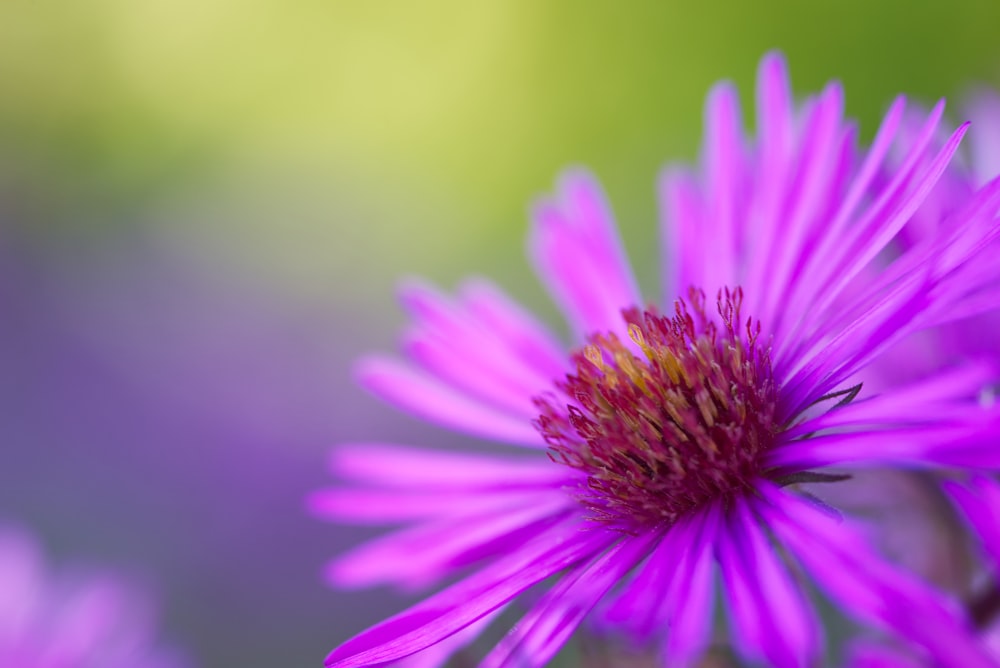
(669, 443)
(70, 621)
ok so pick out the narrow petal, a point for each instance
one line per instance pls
(452, 343)
(543, 631)
(436, 656)
(771, 619)
(417, 556)
(681, 567)
(468, 600)
(818, 157)
(682, 217)
(422, 469)
(922, 446)
(947, 396)
(724, 167)
(391, 506)
(579, 257)
(425, 397)
(980, 503)
(524, 333)
(868, 588)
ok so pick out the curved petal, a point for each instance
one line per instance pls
(548, 625)
(453, 609)
(979, 501)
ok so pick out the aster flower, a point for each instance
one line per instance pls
(70, 620)
(666, 449)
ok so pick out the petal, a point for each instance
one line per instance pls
(438, 655)
(22, 572)
(809, 192)
(578, 255)
(980, 503)
(680, 567)
(523, 333)
(724, 168)
(682, 217)
(367, 506)
(450, 341)
(468, 600)
(432, 400)
(422, 469)
(543, 631)
(944, 396)
(926, 446)
(865, 586)
(771, 619)
(417, 556)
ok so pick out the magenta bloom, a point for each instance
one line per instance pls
(66, 620)
(661, 456)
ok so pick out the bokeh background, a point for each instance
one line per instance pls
(205, 204)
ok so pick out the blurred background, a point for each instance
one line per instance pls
(205, 205)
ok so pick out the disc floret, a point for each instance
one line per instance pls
(676, 417)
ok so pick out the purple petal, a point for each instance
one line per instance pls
(543, 631)
(915, 446)
(680, 567)
(420, 555)
(724, 166)
(448, 340)
(771, 619)
(682, 217)
(980, 503)
(406, 466)
(461, 604)
(523, 333)
(579, 257)
(428, 398)
(868, 588)
(437, 655)
(944, 396)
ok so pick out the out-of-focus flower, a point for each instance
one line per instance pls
(673, 442)
(71, 620)
(978, 501)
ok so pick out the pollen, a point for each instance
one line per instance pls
(677, 416)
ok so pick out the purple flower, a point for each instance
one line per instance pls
(666, 450)
(69, 619)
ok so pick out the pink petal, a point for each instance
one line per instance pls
(980, 503)
(461, 604)
(771, 618)
(428, 398)
(865, 586)
(417, 556)
(544, 630)
(578, 255)
(407, 466)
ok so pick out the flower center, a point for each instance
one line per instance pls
(675, 419)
